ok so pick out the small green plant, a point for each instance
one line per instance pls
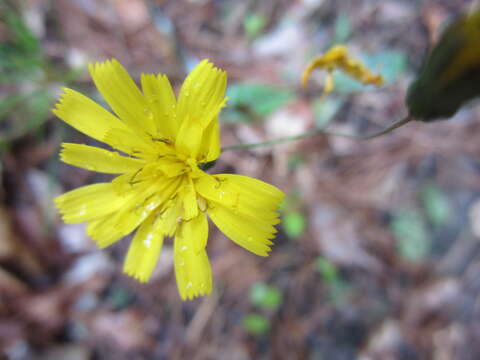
(294, 221)
(265, 296)
(254, 23)
(28, 76)
(436, 204)
(338, 289)
(256, 324)
(294, 224)
(412, 237)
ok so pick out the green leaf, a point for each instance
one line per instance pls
(412, 238)
(345, 84)
(327, 270)
(39, 104)
(254, 24)
(265, 296)
(10, 102)
(21, 54)
(256, 324)
(338, 289)
(325, 110)
(262, 99)
(231, 115)
(343, 28)
(436, 204)
(389, 63)
(294, 224)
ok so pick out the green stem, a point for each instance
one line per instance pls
(316, 132)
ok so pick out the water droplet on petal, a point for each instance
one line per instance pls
(202, 203)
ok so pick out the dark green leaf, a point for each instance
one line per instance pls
(256, 324)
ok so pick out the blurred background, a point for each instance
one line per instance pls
(378, 254)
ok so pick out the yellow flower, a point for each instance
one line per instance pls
(337, 58)
(161, 191)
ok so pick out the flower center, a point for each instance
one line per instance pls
(173, 166)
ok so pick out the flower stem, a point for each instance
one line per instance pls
(316, 132)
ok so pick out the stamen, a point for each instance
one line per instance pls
(131, 182)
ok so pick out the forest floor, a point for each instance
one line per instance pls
(378, 253)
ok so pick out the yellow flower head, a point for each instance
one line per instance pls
(161, 190)
(337, 58)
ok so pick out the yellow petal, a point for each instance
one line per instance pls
(189, 138)
(201, 98)
(141, 201)
(144, 250)
(110, 229)
(135, 210)
(88, 203)
(171, 217)
(104, 232)
(243, 208)
(240, 193)
(189, 200)
(210, 148)
(85, 115)
(329, 83)
(197, 232)
(122, 94)
(171, 167)
(212, 188)
(337, 57)
(130, 143)
(242, 230)
(192, 268)
(160, 96)
(96, 159)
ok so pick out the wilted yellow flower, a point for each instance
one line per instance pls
(337, 58)
(161, 191)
